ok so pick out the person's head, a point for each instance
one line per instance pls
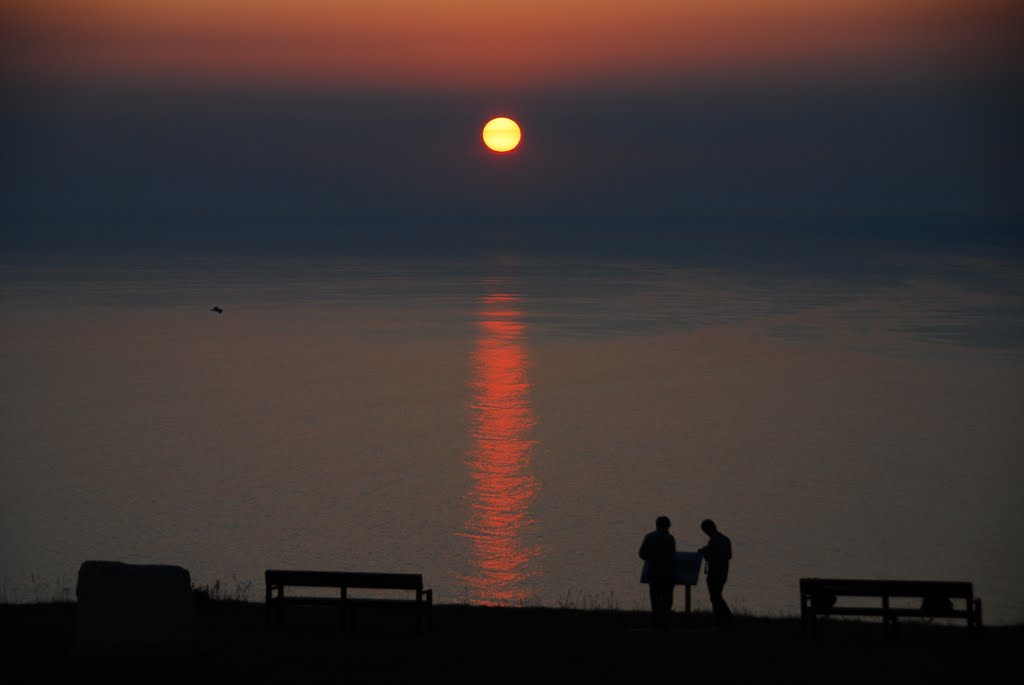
(708, 526)
(662, 523)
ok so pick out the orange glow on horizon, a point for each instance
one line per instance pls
(499, 460)
(460, 43)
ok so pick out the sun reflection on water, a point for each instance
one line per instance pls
(504, 487)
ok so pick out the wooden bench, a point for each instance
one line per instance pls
(276, 580)
(938, 599)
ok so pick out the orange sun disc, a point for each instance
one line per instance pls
(502, 134)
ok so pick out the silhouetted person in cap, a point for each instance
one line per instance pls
(717, 554)
(659, 551)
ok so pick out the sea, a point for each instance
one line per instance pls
(510, 425)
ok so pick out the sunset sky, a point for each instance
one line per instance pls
(312, 119)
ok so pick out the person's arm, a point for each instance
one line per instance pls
(643, 549)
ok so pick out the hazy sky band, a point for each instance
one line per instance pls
(456, 43)
(654, 125)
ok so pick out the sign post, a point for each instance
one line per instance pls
(687, 572)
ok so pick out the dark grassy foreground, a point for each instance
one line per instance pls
(231, 644)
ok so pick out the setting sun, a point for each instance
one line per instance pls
(502, 134)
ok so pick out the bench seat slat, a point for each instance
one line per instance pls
(292, 599)
(879, 611)
(893, 588)
(926, 613)
(336, 601)
(379, 581)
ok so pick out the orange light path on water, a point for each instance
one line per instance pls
(499, 459)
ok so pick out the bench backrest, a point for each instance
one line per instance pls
(892, 588)
(378, 581)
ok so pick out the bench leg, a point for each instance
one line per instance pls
(424, 615)
(267, 597)
(270, 602)
(885, 616)
(808, 618)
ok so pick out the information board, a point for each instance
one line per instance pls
(687, 570)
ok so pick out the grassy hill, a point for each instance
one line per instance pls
(231, 643)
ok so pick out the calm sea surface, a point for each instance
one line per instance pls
(511, 428)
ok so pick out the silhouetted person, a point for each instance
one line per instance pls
(717, 554)
(659, 551)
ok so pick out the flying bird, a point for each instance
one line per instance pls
(217, 309)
